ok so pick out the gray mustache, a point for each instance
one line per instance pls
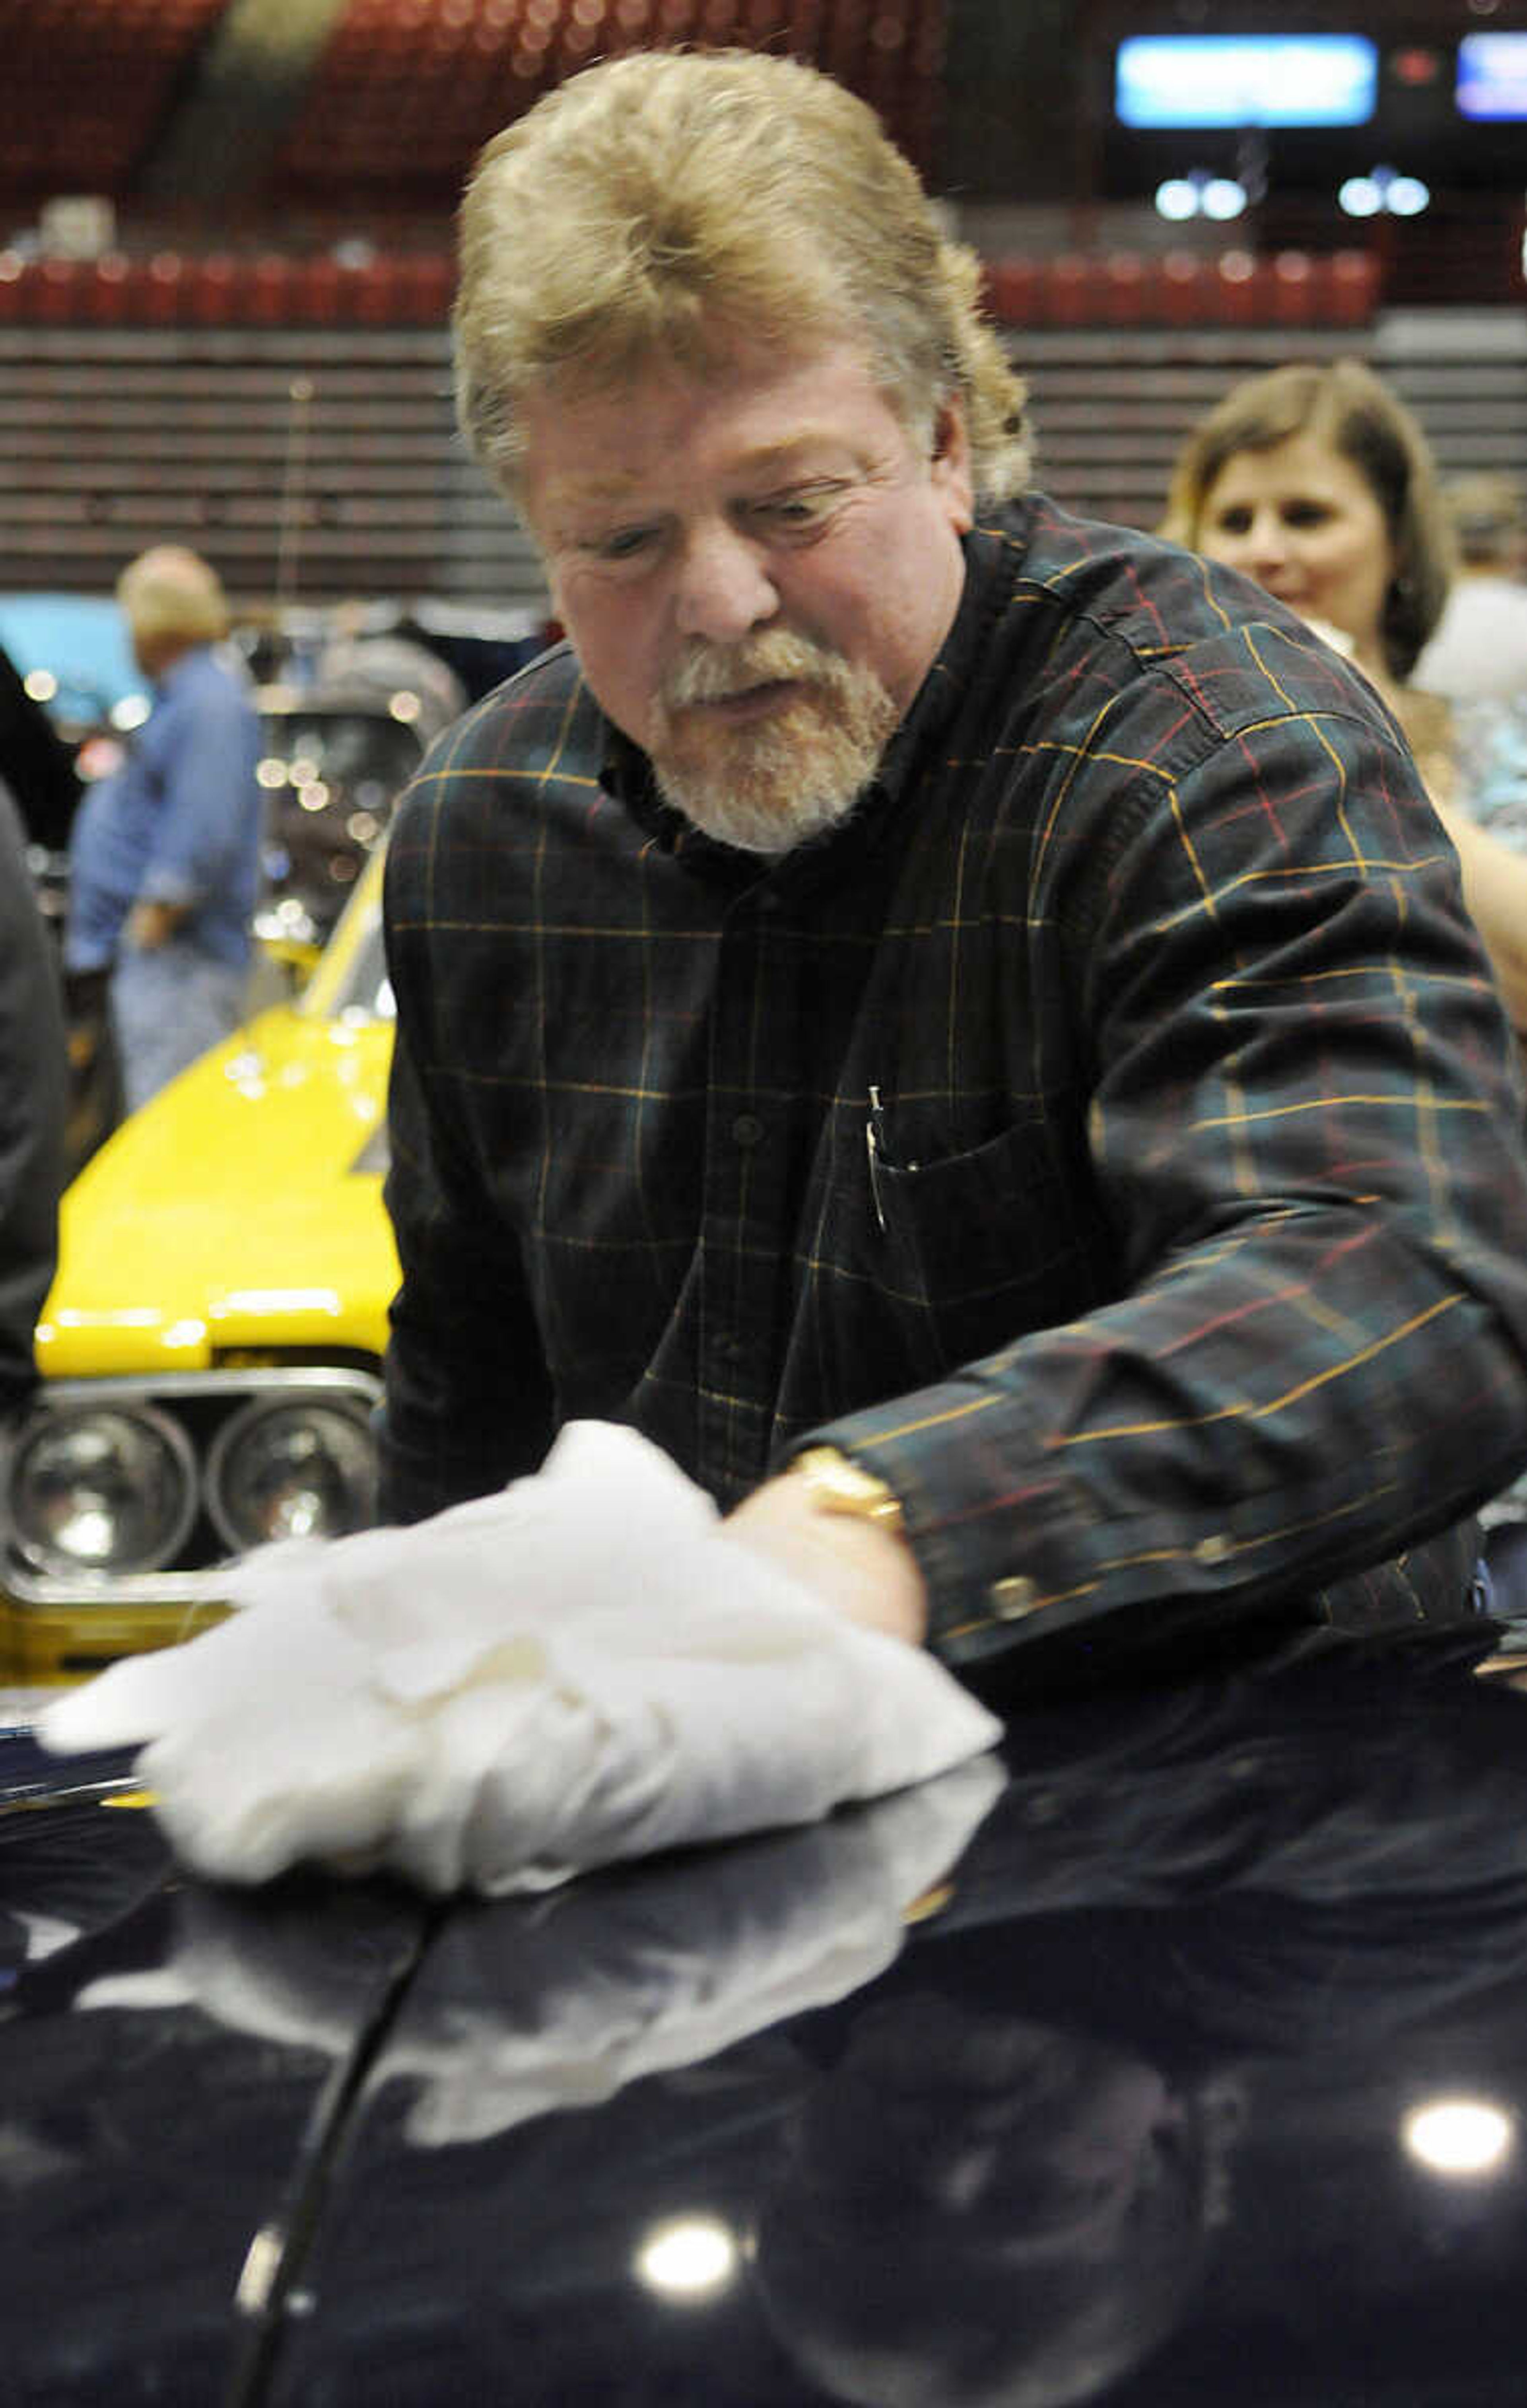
(713, 675)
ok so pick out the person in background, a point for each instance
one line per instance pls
(1315, 481)
(1479, 650)
(34, 1083)
(165, 854)
(1478, 656)
(952, 1019)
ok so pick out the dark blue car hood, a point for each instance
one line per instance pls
(1119, 2104)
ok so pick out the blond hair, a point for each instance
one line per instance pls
(171, 595)
(668, 204)
(1344, 404)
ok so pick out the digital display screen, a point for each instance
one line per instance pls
(1491, 75)
(1232, 79)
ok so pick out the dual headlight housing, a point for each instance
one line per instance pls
(140, 1488)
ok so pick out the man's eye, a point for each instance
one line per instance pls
(625, 543)
(791, 512)
(1234, 521)
(1306, 514)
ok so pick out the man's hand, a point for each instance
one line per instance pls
(579, 1668)
(150, 926)
(859, 1566)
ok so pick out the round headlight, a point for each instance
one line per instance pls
(289, 1467)
(103, 1489)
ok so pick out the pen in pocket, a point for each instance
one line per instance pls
(874, 1148)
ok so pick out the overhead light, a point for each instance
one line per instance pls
(1223, 197)
(1176, 199)
(1383, 189)
(1200, 195)
(1361, 197)
(1407, 196)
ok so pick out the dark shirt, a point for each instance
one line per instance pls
(1188, 1273)
(34, 1082)
(178, 822)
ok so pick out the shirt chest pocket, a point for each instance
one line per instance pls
(977, 1248)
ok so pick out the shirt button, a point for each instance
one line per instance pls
(747, 1129)
(1212, 1549)
(1013, 1598)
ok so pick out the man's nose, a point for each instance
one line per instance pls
(724, 586)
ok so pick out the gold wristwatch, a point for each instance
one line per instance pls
(837, 1484)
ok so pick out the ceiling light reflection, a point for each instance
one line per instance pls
(1461, 2139)
(687, 2257)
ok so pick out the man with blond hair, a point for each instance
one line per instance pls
(166, 851)
(953, 1020)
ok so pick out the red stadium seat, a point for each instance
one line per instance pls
(266, 294)
(1237, 293)
(1292, 287)
(1122, 287)
(212, 290)
(1012, 289)
(1177, 289)
(1067, 291)
(59, 291)
(1353, 279)
(425, 286)
(155, 288)
(109, 299)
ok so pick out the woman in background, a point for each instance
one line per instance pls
(1316, 480)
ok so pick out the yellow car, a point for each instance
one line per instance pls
(211, 1345)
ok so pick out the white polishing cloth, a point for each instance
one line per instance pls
(575, 1670)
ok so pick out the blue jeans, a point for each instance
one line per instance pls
(167, 1006)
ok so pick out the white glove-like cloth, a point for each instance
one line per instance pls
(576, 1669)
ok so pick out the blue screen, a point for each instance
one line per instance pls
(1246, 79)
(1493, 75)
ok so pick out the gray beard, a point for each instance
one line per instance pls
(754, 823)
(766, 790)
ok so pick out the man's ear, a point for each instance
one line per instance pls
(951, 470)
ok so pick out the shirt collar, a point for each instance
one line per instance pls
(178, 668)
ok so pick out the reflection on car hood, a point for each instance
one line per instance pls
(229, 1211)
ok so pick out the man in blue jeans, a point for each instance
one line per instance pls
(165, 854)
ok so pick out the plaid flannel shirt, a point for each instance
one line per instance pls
(1109, 1136)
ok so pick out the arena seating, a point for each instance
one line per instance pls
(260, 288)
(93, 81)
(144, 396)
(358, 285)
(404, 94)
(153, 389)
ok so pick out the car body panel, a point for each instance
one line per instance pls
(229, 1236)
(178, 2284)
(231, 1212)
(1125, 2099)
